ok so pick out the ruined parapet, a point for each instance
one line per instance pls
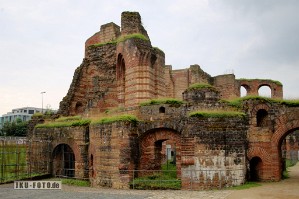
(169, 81)
(197, 75)
(227, 85)
(131, 24)
(201, 93)
(252, 86)
(183, 78)
(108, 32)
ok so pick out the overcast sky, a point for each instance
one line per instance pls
(42, 41)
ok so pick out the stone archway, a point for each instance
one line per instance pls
(153, 148)
(276, 142)
(63, 161)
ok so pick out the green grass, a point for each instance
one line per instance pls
(270, 80)
(247, 185)
(216, 114)
(125, 118)
(159, 180)
(13, 157)
(70, 118)
(238, 102)
(122, 39)
(75, 182)
(201, 86)
(289, 163)
(64, 123)
(170, 101)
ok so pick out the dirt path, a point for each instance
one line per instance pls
(285, 189)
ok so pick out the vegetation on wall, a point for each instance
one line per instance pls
(119, 118)
(201, 86)
(216, 114)
(65, 122)
(269, 80)
(122, 39)
(238, 102)
(170, 101)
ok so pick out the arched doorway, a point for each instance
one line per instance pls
(289, 151)
(159, 147)
(255, 169)
(63, 161)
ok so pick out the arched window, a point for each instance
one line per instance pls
(121, 78)
(244, 90)
(265, 91)
(262, 118)
(162, 109)
(79, 108)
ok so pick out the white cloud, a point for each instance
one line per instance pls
(42, 42)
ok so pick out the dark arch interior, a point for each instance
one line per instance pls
(63, 161)
(262, 118)
(79, 108)
(255, 169)
(162, 109)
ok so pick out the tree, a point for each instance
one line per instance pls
(16, 128)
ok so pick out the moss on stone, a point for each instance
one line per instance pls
(270, 80)
(65, 123)
(201, 86)
(121, 39)
(238, 102)
(124, 118)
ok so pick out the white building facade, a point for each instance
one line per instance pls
(24, 114)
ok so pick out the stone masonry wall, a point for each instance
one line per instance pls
(49, 138)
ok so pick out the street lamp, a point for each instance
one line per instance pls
(43, 101)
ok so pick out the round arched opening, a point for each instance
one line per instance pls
(63, 161)
(265, 91)
(160, 150)
(289, 151)
(79, 108)
(244, 90)
(121, 79)
(262, 118)
(255, 169)
(162, 109)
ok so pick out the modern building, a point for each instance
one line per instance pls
(24, 114)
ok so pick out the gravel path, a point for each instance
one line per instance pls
(284, 189)
(72, 192)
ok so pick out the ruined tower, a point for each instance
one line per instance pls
(120, 69)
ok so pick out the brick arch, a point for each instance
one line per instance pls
(247, 88)
(259, 152)
(172, 125)
(282, 131)
(63, 158)
(150, 144)
(73, 146)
